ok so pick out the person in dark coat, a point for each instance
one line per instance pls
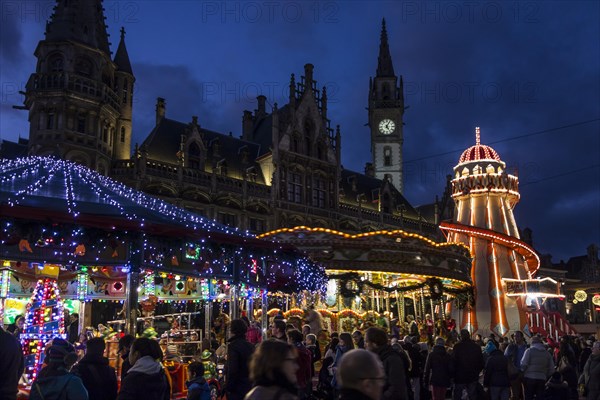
(73, 329)
(146, 379)
(123, 350)
(98, 377)
(239, 351)
(496, 376)
(11, 365)
(556, 388)
(590, 378)
(468, 363)
(395, 386)
(197, 386)
(417, 361)
(54, 381)
(304, 373)
(439, 370)
(360, 375)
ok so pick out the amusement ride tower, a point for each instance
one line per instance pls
(503, 265)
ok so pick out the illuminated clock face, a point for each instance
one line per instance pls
(387, 126)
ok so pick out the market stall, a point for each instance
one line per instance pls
(111, 245)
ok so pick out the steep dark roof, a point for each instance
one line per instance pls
(354, 184)
(163, 144)
(12, 150)
(263, 130)
(122, 57)
(79, 21)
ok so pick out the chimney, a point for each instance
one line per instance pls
(247, 125)
(261, 112)
(194, 120)
(160, 109)
(308, 76)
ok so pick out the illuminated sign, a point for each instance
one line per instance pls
(546, 287)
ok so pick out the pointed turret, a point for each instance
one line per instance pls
(81, 21)
(122, 57)
(384, 61)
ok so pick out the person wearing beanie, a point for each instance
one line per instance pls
(239, 351)
(99, 378)
(55, 382)
(496, 373)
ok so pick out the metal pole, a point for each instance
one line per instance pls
(233, 303)
(264, 317)
(131, 301)
(250, 308)
(207, 315)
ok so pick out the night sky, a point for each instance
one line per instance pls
(526, 72)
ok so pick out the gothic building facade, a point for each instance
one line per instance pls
(283, 170)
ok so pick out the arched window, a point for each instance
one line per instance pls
(56, 63)
(194, 156)
(386, 91)
(81, 122)
(387, 157)
(309, 128)
(295, 143)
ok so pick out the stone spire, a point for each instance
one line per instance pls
(384, 61)
(122, 57)
(81, 21)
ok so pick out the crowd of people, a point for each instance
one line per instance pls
(303, 361)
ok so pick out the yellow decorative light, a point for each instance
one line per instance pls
(596, 299)
(580, 295)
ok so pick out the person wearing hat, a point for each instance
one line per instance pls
(239, 351)
(496, 376)
(537, 366)
(55, 382)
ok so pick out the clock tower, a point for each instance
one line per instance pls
(386, 108)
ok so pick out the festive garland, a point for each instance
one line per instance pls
(294, 312)
(351, 285)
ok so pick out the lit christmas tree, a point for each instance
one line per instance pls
(43, 322)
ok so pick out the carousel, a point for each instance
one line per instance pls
(382, 277)
(76, 242)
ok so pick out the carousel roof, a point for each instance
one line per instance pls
(48, 189)
(479, 152)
